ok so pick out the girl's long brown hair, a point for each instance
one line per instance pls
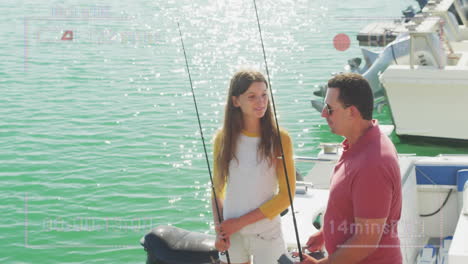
(269, 146)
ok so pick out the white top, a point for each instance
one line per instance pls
(251, 183)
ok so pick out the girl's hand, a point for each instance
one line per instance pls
(222, 244)
(229, 227)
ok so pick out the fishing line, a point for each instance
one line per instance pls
(201, 134)
(279, 135)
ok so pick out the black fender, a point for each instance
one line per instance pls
(172, 245)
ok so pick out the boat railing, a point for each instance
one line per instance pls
(453, 155)
(313, 159)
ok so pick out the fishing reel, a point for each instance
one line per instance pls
(290, 259)
(286, 259)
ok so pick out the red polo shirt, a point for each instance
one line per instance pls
(366, 183)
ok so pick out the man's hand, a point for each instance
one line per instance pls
(307, 259)
(315, 242)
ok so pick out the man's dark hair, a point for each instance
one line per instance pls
(354, 90)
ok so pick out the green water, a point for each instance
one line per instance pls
(99, 135)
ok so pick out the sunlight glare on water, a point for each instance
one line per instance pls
(99, 135)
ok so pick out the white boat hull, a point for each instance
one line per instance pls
(428, 102)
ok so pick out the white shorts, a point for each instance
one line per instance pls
(265, 247)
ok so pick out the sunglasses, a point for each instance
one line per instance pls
(330, 110)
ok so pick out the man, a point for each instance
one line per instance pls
(364, 205)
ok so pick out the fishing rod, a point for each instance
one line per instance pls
(201, 134)
(279, 136)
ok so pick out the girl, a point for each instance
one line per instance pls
(249, 178)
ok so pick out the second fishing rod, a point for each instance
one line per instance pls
(284, 259)
(202, 138)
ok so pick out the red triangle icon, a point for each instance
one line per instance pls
(67, 35)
